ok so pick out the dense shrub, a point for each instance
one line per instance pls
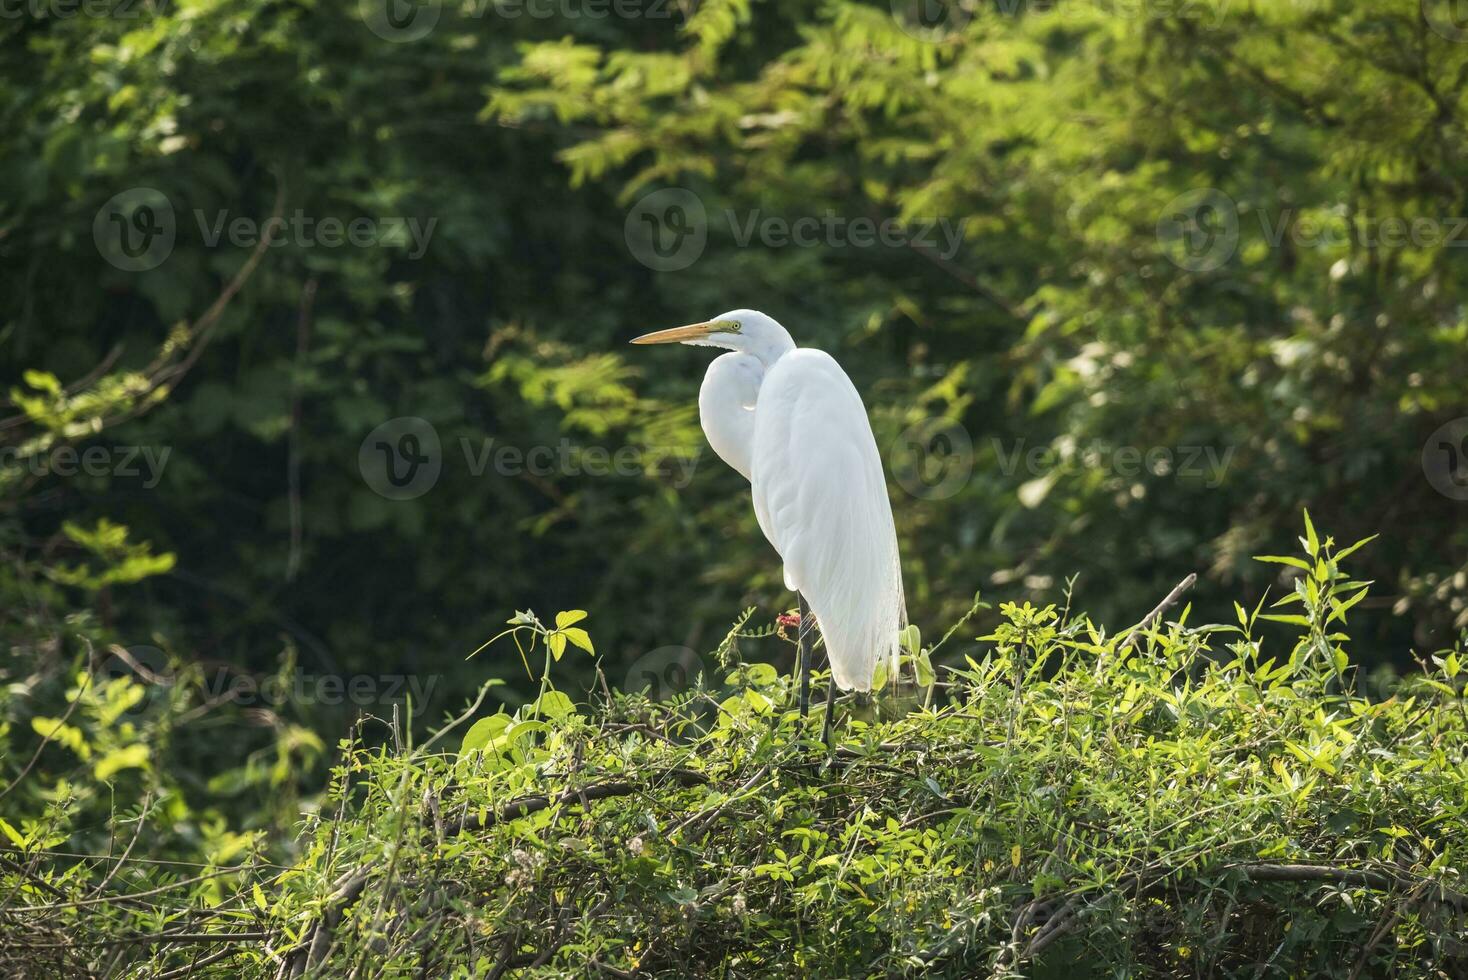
(1170, 800)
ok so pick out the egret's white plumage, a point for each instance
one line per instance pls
(726, 403)
(791, 421)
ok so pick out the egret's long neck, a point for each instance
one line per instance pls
(726, 406)
(769, 346)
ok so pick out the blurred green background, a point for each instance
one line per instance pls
(1207, 254)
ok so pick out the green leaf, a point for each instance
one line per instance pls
(1353, 548)
(1287, 618)
(925, 673)
(1341, 610)
(758, 675)
(132, 757)
(12, 833)
(554, 705)
(579, 637)
(910, 639)
(564, 619)
(732, 707)
(682, 896)
(43, 381)
(520, 729)
(1312, 542)
(1284, 560)
(756, 700)
(557, 643)
(62, 733)
(484, 732)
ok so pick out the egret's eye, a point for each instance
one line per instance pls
(737, 326)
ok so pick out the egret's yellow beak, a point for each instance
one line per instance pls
(693, 331)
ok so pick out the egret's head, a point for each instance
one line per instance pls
(742, 330)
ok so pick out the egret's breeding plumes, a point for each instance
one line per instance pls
(790, 420)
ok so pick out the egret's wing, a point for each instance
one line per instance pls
(821, 499)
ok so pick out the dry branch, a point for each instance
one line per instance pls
(1149, 620)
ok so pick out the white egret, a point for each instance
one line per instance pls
(791, 422)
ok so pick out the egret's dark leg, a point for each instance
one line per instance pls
(805, 653)
(830, 709)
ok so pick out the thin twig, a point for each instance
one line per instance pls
(106, 899)
(126, 851)
(1162, 607)
(152, 939)
(209, 960)
(86, 682)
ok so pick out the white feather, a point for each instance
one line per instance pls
(821, 500)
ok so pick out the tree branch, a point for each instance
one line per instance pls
(1162, 607)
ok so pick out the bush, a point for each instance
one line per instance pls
(1173, 799)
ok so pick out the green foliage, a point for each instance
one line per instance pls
(1312, 364)
(1162, 802)
(1153, 793)
(122, 561)
(1312, 360)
